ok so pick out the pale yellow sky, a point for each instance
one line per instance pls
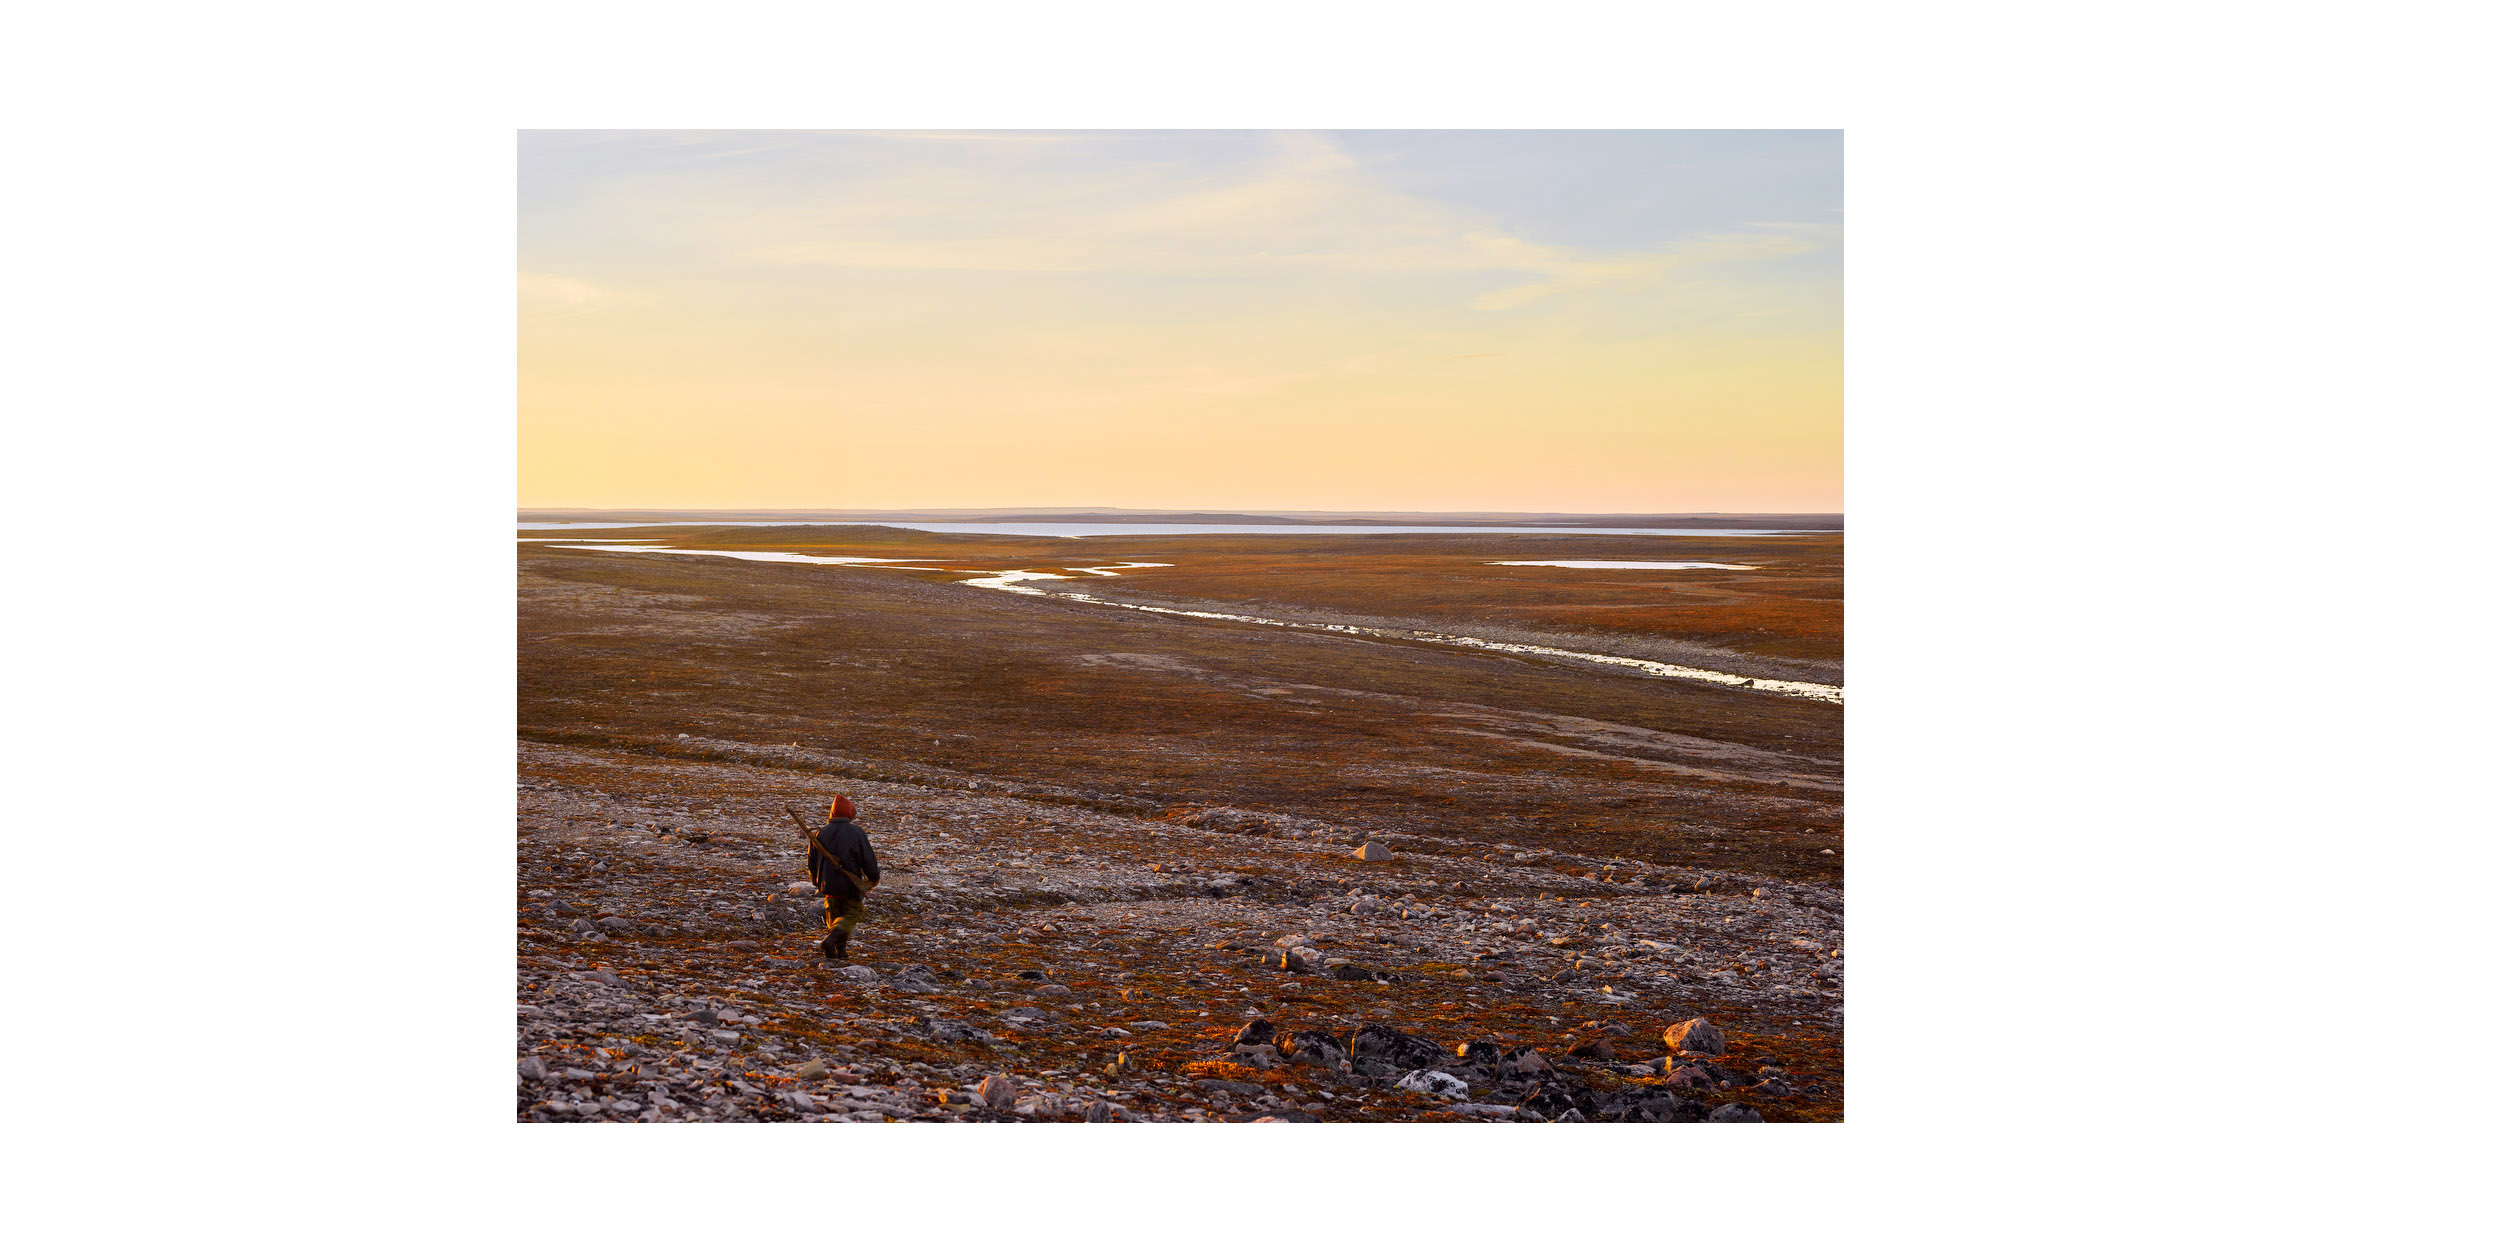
(1564, 321)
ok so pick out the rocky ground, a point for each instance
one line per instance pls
(1055, 956)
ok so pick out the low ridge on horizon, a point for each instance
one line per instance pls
(1280, 516)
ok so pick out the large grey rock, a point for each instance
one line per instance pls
(1427, 1081)
(1375, 853)
(1596, 1048)
(998, 1091)
(1697, 1035)
(533, 1069)
(1316, 1049)
(1382, 1044)
(1259, 1032)
(861, 973)
(1734, 1113)
(1669, 1109)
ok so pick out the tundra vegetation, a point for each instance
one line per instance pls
(1155, 867)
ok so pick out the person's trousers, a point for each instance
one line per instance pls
(843, 912)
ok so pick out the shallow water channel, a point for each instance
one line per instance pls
(1011, 581)
(1622, 564)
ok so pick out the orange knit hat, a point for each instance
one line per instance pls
(844, 808)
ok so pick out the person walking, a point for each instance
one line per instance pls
(844, 868)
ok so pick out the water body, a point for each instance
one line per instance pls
(1795, 689)
(1011, 581)
(1038, 529)
(1621, 564)
(768, 557)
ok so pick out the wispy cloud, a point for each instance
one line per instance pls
(1307, 207)
(555, 293)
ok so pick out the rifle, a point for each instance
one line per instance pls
(819, 847)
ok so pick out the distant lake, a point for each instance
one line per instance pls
(1038, 529)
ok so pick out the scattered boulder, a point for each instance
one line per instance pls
(957, 1031)
(1375, 853)
(1353, 972)
(1427, 1081)
(1549, 1100)
(1597, 1048)
(813, 1069)
(1316, 1049)
(861, 973)
(533, 1069)
(1669, 1109)
(997, 1090)
(1734, 1113)
(1100, 1112)
(1525, 1061)
(1299, 959)
(1406, 1052)
(1697, 1035)
(1259, 1032)
(1364, 906)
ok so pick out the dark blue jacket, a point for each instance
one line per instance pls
(849, 844)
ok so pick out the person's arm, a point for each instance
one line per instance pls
(868, 856)
(818, 870)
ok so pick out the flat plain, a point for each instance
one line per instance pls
(1124, 879)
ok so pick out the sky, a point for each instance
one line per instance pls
(1580, 321)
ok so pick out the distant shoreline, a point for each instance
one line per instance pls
(1126, 516)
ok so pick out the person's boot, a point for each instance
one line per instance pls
(833, 945)
(841, 944)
